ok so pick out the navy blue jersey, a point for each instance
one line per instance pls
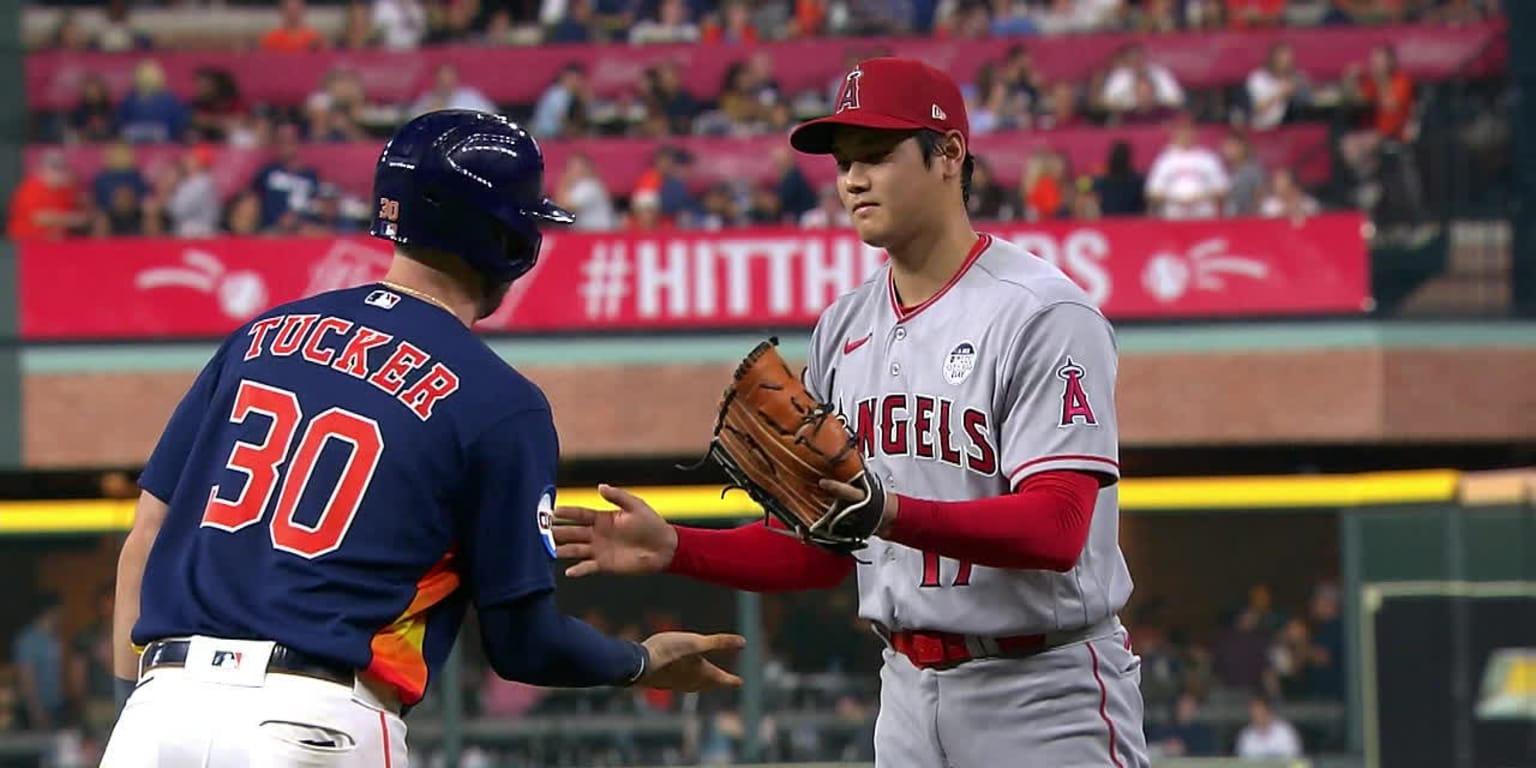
(344, 474)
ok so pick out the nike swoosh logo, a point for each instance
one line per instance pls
(849, 347)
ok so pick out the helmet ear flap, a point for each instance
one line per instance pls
(522, 250)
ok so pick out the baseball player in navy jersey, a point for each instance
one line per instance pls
(346, 475)
(979, 381)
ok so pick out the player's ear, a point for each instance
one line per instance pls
(952, 150)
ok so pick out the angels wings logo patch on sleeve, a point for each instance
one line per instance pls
(1074, 399)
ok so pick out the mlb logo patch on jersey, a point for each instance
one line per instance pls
(959, 363)
(382, 299)
(546, 513)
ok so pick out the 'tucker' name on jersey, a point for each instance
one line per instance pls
(344, 346)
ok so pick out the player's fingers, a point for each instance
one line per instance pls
(583, 568)
(620, 498)
(574, 551)
(719, 676)
(572, 534)
(720, 642)
(575, 515)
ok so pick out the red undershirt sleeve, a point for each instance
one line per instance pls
(1042, 526)
(756, 559)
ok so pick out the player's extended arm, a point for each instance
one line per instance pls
(1041, 526)
(147, 518)
(529, 640)
(755, 559)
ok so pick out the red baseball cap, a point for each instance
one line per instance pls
(889, 94)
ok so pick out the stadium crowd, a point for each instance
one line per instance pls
(1187, 177)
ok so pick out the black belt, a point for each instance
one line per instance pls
(173, 653)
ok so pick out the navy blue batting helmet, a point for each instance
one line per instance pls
(468, 183)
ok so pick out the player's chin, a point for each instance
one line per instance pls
(874, 233)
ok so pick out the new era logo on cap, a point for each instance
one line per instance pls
(891, 94)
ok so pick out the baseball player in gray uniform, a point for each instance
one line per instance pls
(979, 381)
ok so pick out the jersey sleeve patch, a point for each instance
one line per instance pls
(1075, 407)
(546, 517)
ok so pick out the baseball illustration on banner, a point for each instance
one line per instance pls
(240, 293)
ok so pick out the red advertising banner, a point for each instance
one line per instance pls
(1197, 59)
(738, 279)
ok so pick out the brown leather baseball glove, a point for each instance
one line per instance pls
(775, 441)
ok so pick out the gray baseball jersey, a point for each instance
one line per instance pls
(1007, 371)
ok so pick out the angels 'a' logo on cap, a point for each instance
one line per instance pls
(1074, 399)
(849, 99)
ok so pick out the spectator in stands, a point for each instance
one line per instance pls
(989, 200)
(993, 105)
(673, 24)
(966, 20)
(216, 104)
(1146, 110)
(38, 655)
(1241, 654)
(47, 203)
(794, 191)
(118, 34)
(285, 185)
(93, 117)
(293, 32)
(447, 92)
(70, 35)
(572, 25)
(1157, 17)
(1246, 174)
(645, 212)
(1186, 735)
(150, 113)
(1062, 110)
(1186, 181)
(1365, 12)
(336, 112)
(119, 168)
(1267, 735)
(667, 96)
(1121, 189)
(1118, 93)
(242, 217)
(1011, 18)
(327, 214)
(1023, 78)
(554, 116)
(357, 30)
(1327, 670)
(1286, 199)
(1386, 90)
(766, 209)
(872, 18)
(830, 212)
(90, 668)
(1045, 190)
(1243, 14)
(123, 215)
(1276, 90)
(401, 25)
(192, 204)
(1069, 16)
(732, 25)
(719, 208)
(582, 191)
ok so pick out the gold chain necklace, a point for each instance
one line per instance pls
(420, 295)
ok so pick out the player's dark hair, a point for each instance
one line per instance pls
(928, 141)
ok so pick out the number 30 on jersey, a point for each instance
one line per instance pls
(259, 462)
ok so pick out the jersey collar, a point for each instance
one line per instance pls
(904, 314)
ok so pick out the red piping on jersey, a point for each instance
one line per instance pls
(1042, 526)
(753, 558)
(904, 314)
(1063, 457)
(1104, 706)
(384, 726)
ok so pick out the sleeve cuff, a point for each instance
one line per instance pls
(1108, 469)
